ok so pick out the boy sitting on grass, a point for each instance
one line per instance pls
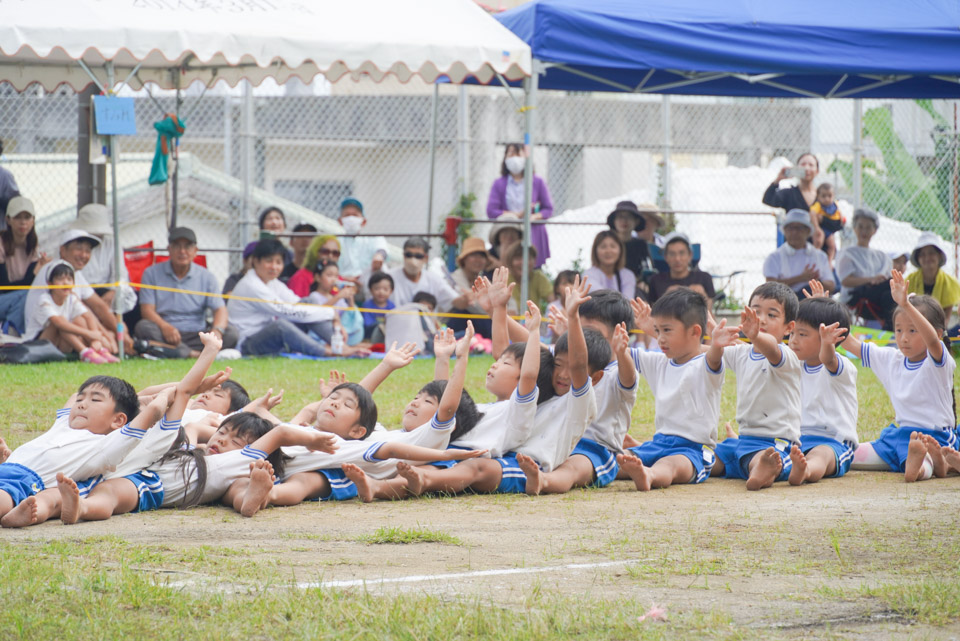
(768, 391)
(686, 383)
(828, 384)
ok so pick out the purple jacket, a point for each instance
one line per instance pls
(497, 203)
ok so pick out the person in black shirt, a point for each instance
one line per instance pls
(624, 220)
(800, 196)
(678, 253)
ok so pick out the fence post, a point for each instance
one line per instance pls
(433, 155)
(857, 152)
(246, 161)
(463, 141)
(529, 112)
(667, 146)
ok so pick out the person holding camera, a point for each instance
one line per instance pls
(799, 196)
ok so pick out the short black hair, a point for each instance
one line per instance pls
(565, 275)
(609, 307)
(269, 247)
(417, 242)
(239, 398)
(685, 305)
(467, 415)
(599, 353)
(425, 298)
(250, 427)
(59, 271)
(124, 396)
(823, 187)
(814, 311)
(376, 277)
(263, 214)
(545, 377)
(780, 293)
(302, 227)
(366, 405)
(323, 264)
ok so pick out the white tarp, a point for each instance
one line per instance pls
(40, 40)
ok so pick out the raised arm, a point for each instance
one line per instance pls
(264, 405)
(288, 436)
(450, 400)
(394, 449)
(444, 345)
(641, 317)
(626, 370)
(194, 377)
(530, 368)
(829, 335)
(499, 291)
(762, 342)
(721, 337)
(396, 358)
(933, 341)
(577, 357)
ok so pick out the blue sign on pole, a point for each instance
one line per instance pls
(114, 116)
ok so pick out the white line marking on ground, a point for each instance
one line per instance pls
(418, 578)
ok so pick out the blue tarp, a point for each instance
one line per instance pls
(833, 48)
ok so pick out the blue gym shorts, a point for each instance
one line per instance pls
(736, 454)
(341, 488)
(843, 451)
(149, 487)
(19, 481)
(513, 480)
(446, 465)
(663, 445)
(894, 442)
(604, 461)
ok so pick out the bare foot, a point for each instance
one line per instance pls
(940, 467)
(261, 482)
(765, 472)
(636, 469)
(534, 476)
(798, 474)
(414, 478)
(729, 430)
(69, 499)
(5, 451)
(361, 480)
(916, 455)
(23, 515)
(952, 457)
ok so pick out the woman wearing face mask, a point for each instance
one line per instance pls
(506, 196)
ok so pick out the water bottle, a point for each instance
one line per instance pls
(336, 341)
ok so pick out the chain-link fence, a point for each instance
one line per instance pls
(307, 148)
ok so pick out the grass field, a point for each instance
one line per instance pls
(864, 557)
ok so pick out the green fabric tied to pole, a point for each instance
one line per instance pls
(168, 129)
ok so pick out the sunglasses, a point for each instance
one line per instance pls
(330, 252)
(414, 255)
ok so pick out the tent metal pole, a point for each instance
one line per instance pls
(246, 162)
(433, 154)
(667, 146)
(857, 152)
(176, 158)
(116, 224)
(529, 113)
(463, 142)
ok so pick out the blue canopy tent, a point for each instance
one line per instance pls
(815, 49)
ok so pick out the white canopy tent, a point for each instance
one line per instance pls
(174, 43)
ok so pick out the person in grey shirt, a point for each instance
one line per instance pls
(172, 319)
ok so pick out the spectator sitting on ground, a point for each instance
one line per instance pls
(540, 289)
(653, 221)
(235, 277)
(380, 287)
(8, 189)
(928, 256)
(273, 220)
(473, 261)
(299, 245)
(608, 258)
(279, 326)
(678, 253)
(625, 220)
(75, 248)
(174, 320)
(360, 254)
(330, 290)
(413, 276)
(323, 248)
(505, 232)
(20, 260)
(796, 262)
(411, 328)
(96, 221)
(864, 273)
(64, 321)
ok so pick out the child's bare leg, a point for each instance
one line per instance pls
(34, 509)
(634, 469)
(671, 469)
(866, 458)
(451, 480)
(261, 482)
(950, 455)
(116, 496)
(718, 469)
(369, 489)
(5, 453)
(6, 503)
(576, 471)
(919, 467)
(763, 469)
(814, 465)
(63, 341)
(298, 488)
(533, 473)
(489, 475)
(940, 467)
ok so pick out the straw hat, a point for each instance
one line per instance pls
(652, 215)
(473, 246)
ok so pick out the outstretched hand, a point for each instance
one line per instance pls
(481, 291)
(723, 336)
(557, 320)
(749, 323)
(454, 454)
(531, 320)
(320, 441)
(816, 290)
(396, 358)
(898, 288)
(265, 403)
(641, 315)
(214, 380)
(336, 378)
(621, 341)
(211, 340)
(500, 288)
(575, 296)
(832, 333)
(444, 343)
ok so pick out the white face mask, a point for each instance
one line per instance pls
(352, 224)
(516, 164)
